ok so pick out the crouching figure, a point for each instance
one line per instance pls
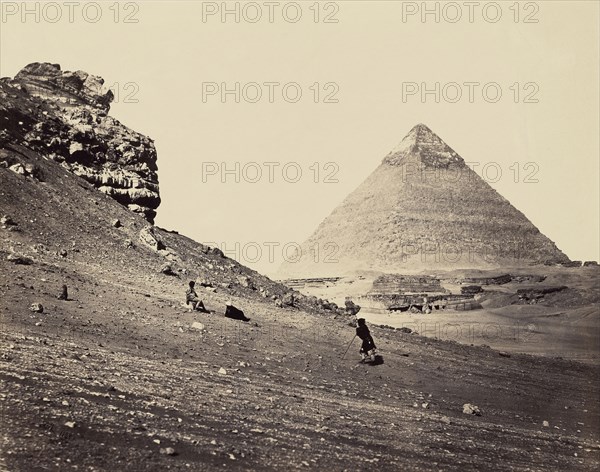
(191, 298)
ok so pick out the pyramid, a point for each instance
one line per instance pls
(422, 208)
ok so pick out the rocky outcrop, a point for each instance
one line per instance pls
(64, 116)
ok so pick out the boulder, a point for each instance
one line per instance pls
(149, 238)
(246, 281)
(18, 259)
(235, 313)
(470, 409)
(216, 251)
(36, 308)
(7, 221)
(288, 299)
(168, 270)
(18, 169)
(352, 308)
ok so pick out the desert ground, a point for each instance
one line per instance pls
(116, 375)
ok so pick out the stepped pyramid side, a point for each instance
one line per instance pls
(422, 208)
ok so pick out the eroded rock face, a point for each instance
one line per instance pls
(64, 116)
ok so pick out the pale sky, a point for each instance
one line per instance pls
(377, 49)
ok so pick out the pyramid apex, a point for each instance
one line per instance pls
(427, 146)
(420, 127)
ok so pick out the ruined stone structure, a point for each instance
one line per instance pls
(394, 284)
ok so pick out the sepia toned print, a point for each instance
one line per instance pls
(310, 235)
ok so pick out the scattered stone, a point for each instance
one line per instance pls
(406, 330)
(169, 451)
(503, 354)
(75, 147)
(36, 308)
(168, 270)
(64, 295)
(18, 169)
(62, 253)
(352, 308)
(7, 221)
(70, 424)
(546, 424)
(222, 371)
(288, 299)
(128, 243)
(216, 251)
(149, 238)
(19, 260)
(246, 281)
(197, 325)
(116, 223)
(469, 409)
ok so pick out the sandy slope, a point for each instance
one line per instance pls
(129, 370)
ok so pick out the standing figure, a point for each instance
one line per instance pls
(368, 345)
